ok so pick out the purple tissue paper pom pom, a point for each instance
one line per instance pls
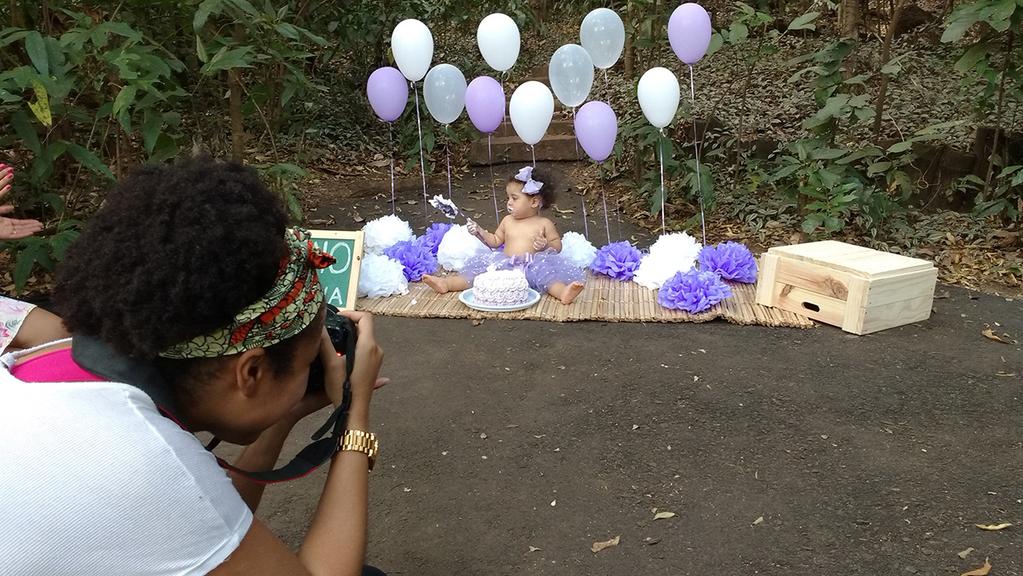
(693, 291)
(434, 234)
(619, 260)
(415, 257)
(731, 261)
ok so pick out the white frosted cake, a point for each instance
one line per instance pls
(500, 288)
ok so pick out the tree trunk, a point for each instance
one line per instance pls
(886, 55)
(999, 110)
(539, 10)
(946, 10)
(739, 144)
(276, 98)
(234, 83)
(18, 19)
(630, 53)
(849, 18)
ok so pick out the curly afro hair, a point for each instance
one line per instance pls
(175, 252)
(549, 191)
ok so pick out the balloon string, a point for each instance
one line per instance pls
(532, 151)
(696, 150)
(504, 76)
(660, 146)
(575, 137)
(586, 224)
(493, 190)
(422, 160)
(603, 200)
(618, 217)
(447, 154)
(390, 148)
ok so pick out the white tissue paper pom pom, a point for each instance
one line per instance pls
(678, 244)
(578, 249)
(381, 276)
(384, 232)
(670, 254)
(457, 247)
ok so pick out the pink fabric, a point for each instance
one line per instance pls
(56, 366)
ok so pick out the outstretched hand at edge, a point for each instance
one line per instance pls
(13, 228)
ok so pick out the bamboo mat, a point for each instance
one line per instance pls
(603, 300)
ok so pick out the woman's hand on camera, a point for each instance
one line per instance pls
(368, 359)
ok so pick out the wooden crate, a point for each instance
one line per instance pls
(859, 289)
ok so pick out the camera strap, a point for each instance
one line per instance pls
(100, 359)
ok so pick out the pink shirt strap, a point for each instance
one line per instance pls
(56, 366)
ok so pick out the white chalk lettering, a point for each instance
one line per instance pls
(342, 253)
(335, 297)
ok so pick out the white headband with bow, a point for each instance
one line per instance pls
(531, 186)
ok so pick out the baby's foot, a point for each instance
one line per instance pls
(438, 284)
(570, 292)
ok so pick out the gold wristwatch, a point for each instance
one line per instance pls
(359, 441)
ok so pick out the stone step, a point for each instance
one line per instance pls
(509, 149)
(558, 127)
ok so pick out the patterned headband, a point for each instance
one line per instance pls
(285, 310)
(531, 186)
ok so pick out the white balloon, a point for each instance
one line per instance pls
(658, 96)
(412, 46)
(571, 74)
(444, 92)
(531, 109)
(602, 34)
(498, 39)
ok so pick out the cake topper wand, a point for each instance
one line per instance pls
(447, 207)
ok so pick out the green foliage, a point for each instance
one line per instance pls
(1004, 199)
(284, 178)
(39, 251)
(93, 89)
(64, 99)
(994, 57)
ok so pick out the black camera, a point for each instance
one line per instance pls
(343, 336)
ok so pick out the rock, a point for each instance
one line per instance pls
(912, 17)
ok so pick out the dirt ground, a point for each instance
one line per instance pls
(511, 447)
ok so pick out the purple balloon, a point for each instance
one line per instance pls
(387, 89)
(596, 127)
(484, 101)
(689, 32)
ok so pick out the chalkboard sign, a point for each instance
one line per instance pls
(341, 280)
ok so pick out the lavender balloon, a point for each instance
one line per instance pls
(689, 32)
(387, 90)
(484, 101)
(596, 127)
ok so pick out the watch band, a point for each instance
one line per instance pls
(359, 441)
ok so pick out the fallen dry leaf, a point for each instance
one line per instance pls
(598, 546)
(965, 553)
(534, 549)
(990, 335)
(759, 520)
(982, 571)
(994, 527)
(664, 515)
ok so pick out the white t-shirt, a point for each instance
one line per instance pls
(94, 481)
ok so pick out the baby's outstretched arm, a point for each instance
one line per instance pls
(493, 240)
